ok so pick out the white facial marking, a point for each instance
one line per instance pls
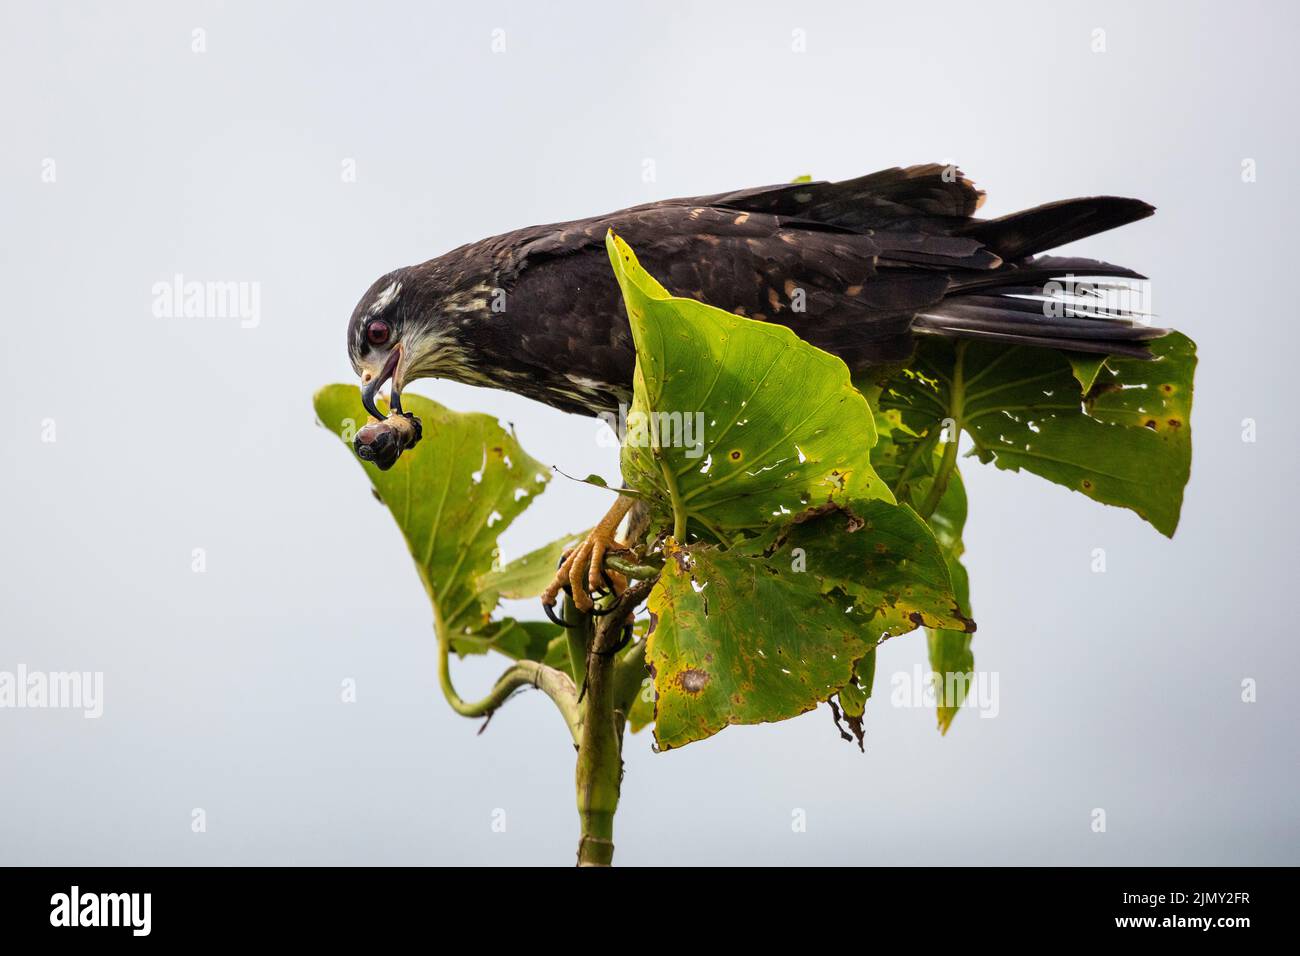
(385, 298)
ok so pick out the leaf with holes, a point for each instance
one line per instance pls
(770, 628)
(1086, 368)
(452, 496)
(1127, 442)
(735, 423)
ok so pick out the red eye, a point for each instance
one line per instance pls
(377, 332)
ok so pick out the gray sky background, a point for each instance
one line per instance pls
(1119, 690)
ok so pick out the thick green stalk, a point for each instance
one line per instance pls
(596, 715)
(600, 761)
(679, 506)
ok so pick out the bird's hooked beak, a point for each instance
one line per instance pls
(371, 388)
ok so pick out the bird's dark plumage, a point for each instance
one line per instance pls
(859, 268)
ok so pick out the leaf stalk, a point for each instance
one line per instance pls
(956, 411)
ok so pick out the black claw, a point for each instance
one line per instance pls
(623, 642)
(597, 612)
(556, 619)
(418, 431)
(627, 637)
(608, 589)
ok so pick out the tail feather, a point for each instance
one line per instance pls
(1053, 302)
(1090, 346)
(1031, 231)
(1032, 273)
(1070, 325)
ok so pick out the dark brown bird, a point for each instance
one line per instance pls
(870, 263)
(859, 268)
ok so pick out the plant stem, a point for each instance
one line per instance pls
(941, 478)
(923, 450)
(610, 683)
(553, 683)
(629, 567)
(956, 409)
(600, 761)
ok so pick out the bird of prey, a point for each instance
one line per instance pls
(879, 261)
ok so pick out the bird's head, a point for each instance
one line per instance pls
(376, 341)
(402, 330)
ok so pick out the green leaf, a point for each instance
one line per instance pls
(768, 629)
(853, 696)
(557, 653)
(527, 577)
(950, 654)
(1126, 443)
(883, 556)
(1085, 368)
(909, 463)
(950, 651)
(642, 712)
(735, 423)
(949, 518)
(452, 496)
(852, 700)
(905, 460)
(518, 640)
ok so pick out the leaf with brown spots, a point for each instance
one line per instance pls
(1127, 442)
(770, 628)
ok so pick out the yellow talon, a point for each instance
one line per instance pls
(586, 562)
